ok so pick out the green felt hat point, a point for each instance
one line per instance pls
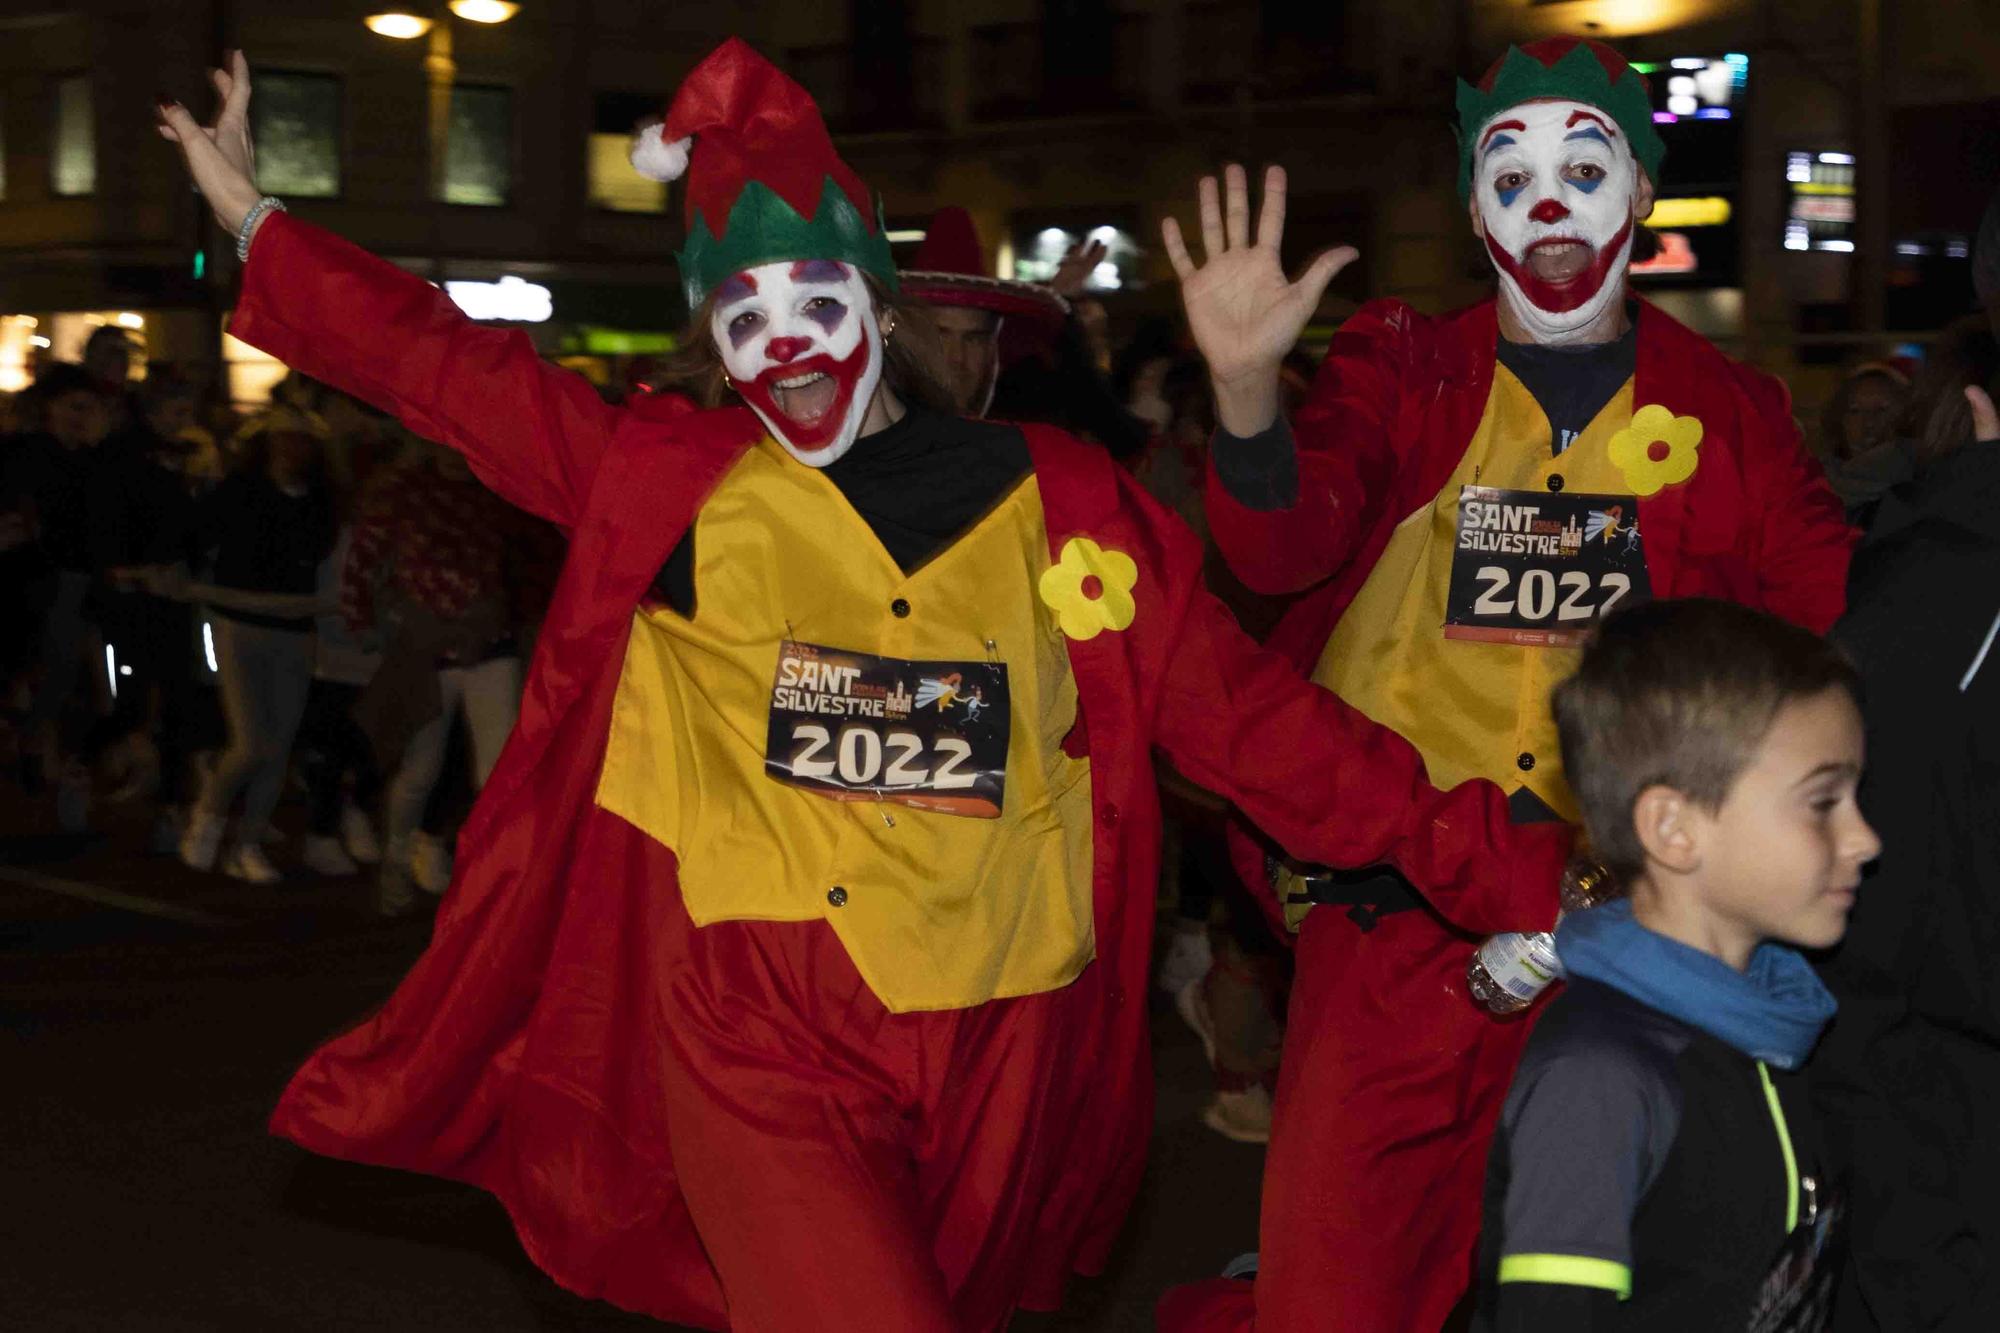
(763, 229)
(1578, 76)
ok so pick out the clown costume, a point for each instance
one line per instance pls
(1464, 495)
(793, 974)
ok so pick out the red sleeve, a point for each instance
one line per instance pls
(532, 432)
(1804, 540)
(1334, 787)
(1346, 454)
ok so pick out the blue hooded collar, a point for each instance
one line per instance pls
(1774, 1012)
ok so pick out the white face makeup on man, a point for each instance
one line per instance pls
(801, 343)
(1557, 192)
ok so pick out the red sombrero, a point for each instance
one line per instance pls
(950, 269)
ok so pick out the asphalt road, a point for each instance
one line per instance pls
(149, 1016)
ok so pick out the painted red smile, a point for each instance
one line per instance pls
(810, 395)
(1560, 275)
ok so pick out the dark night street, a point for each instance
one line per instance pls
(151, 1015)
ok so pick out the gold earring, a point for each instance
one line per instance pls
(890, 331)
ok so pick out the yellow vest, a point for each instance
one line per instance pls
(938, 911)
(1474, 710)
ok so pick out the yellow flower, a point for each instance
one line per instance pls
(1656, 450)
(1090, 589)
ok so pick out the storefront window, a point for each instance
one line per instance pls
(296, 123)
(74, 159)
(252, 373)
(479, 158)
(614, 184)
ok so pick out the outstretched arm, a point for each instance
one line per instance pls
(1335, 787)
(1289, 507)
(532, 432)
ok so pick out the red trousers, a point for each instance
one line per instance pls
(850, 1168)
(1387, 1099)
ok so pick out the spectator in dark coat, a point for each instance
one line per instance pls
(1910, 1070)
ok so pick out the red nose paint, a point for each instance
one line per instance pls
(782, 350)
(1549, 211)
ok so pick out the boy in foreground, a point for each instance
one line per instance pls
(1656, 1165)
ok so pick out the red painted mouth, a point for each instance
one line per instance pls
(810, 396)
(1560, 275)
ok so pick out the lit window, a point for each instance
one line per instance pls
(75, 156)
(479, 157)
(613, 182)
(295, 122)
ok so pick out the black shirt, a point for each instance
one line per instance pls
(266, 540)
(1635, 1143)
(1572, 384)
(918, 484)
(141, 511)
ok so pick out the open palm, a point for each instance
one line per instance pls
(1244, 312)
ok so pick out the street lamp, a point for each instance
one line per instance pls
(484, 11)
(439, 66)
(399, 24)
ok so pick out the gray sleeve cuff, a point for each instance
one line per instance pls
(1258, 471)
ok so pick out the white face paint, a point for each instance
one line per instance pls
(801, 342)
(1557, 190)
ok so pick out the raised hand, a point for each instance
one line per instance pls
(1076, 268)
(1244, 313)
(219, 156)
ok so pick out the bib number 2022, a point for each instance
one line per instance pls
(1569, 597)
(863, 757)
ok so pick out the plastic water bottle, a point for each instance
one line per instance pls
(1510, 970)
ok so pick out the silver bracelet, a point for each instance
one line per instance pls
(268, 204)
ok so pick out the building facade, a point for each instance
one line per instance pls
(1826, 160)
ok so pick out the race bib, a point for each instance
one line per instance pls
(1535, 568)
(856, 727)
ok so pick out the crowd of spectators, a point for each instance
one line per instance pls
(223, 608)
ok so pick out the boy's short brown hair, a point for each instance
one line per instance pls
(1680, 694)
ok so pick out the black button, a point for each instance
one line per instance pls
(1526, 762)
(837, 896)
(1555, 481)
(899, 608)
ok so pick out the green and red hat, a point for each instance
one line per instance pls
(763, 182)
(1561, 69)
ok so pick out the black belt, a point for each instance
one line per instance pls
(1368, 895)
(1377, 891)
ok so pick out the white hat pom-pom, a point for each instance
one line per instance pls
(656, 159)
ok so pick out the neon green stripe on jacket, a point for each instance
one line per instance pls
(1568, 1270)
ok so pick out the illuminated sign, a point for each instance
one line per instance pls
(1708, 211)
(1676, 256)
(508, 299)
(1821, 212)
(1696, 87)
